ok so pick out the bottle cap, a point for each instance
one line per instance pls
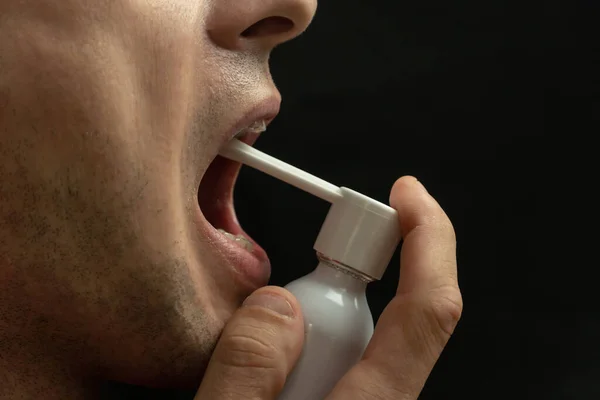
(360, 233)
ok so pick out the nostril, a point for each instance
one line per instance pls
(269, 26)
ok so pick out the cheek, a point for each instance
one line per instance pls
(166, 46)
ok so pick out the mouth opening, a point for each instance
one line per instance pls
(215, 201)
(215, 195)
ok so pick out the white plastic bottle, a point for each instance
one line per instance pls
(355, 245)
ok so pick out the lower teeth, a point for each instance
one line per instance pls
(237, 239)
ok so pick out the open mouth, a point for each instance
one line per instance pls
(215, 198)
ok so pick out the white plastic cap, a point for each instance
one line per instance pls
(360, 233)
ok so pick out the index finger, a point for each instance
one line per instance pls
(428, 257)
(414, 328)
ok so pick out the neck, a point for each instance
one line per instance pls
(29, 372)
(39, 378)
(32, 366)
(26, 375)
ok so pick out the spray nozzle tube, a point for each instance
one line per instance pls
(239, 151)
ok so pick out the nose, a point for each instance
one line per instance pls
(257, 24)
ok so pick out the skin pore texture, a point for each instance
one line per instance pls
(110, 113)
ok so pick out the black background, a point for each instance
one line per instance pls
(482, 101)
(469, 97)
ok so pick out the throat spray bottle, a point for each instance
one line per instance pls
(354, 247)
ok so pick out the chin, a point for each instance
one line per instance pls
(223, 266)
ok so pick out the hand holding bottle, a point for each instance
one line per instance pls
(264, 338)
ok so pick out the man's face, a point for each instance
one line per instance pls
(111, 115)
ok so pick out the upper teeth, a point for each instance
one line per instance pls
(255, 127)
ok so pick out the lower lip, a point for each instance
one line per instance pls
(252, 267)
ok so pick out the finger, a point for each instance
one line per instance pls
(428, 257)
(257, 350)
(414, 328)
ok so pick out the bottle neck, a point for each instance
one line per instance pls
(340, 275)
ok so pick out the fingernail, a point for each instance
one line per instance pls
(272, 302)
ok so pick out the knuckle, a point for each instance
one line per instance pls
(446, 229)
(248, 348)
(382, 392)
(371, 382)
(444, 310)
(439, 227)
(252, 359)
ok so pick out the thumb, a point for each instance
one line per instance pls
(257, 350)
